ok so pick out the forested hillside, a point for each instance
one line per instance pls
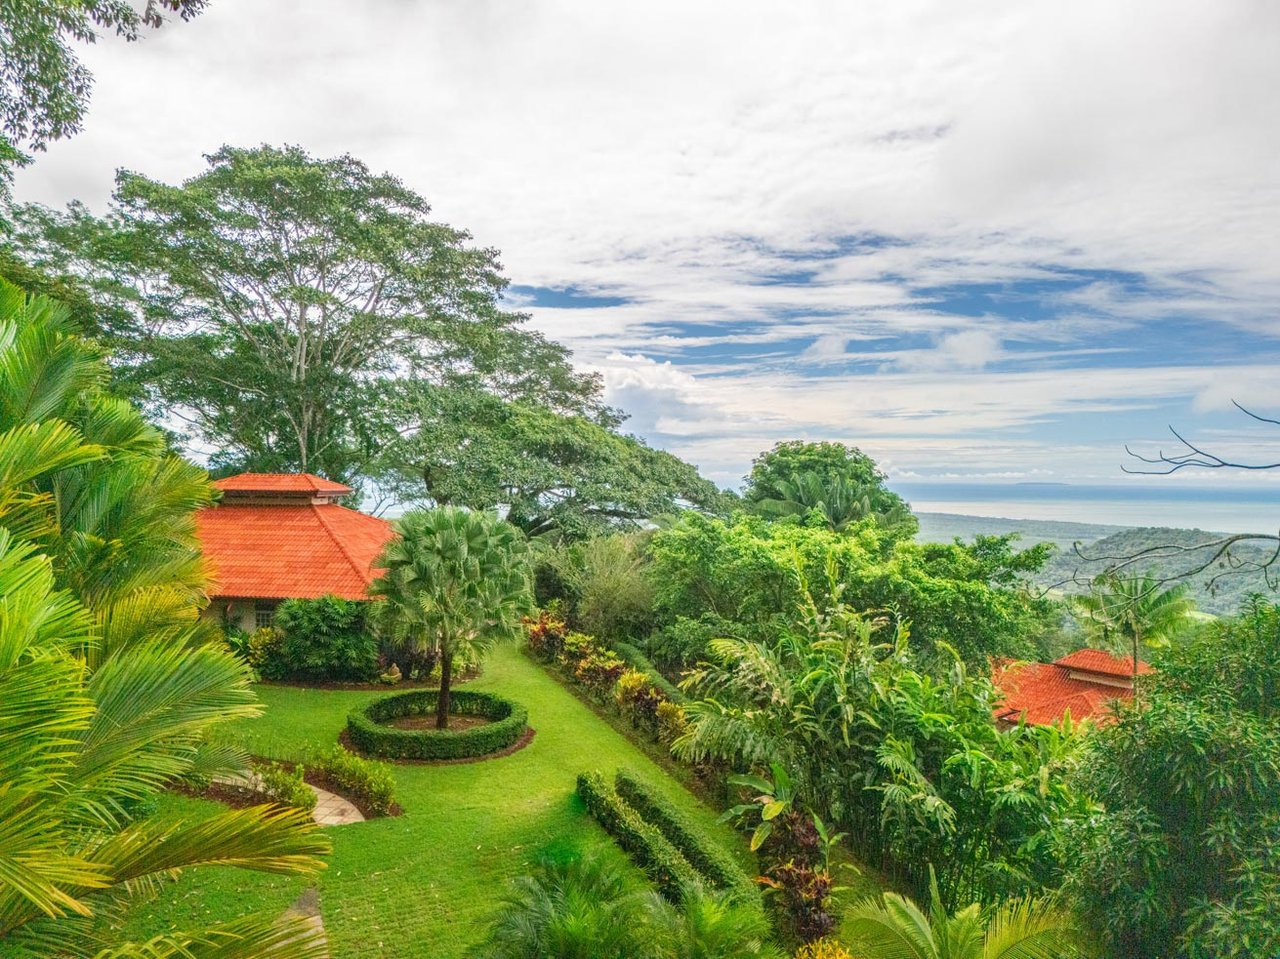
(944, 527)
(1222, 598)
(1098, 541)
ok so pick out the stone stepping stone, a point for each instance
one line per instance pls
(332, 810)
(307, 908)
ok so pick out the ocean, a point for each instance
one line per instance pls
(1176, 504)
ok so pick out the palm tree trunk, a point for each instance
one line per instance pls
(446, 681)
(1135, 669)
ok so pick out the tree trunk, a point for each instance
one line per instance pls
(1135, 669)
(442, 700)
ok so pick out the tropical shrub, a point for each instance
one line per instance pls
(326, 639)
(804, 892)
(823, 949)
(369, 734)
(637, 660)
(671, 722)
(665, 866)
(237, 641)
(454, 581)
(266, 653)
(369, 782)
(711, 859)
(894, 927)
(582, 908)
(591, 663)
(587, 908)
(637, 699)
(545, 634)
(284, 786)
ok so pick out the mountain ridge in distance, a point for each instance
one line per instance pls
(1222, 598)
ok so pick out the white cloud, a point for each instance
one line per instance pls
(968, 350)
(679, 154)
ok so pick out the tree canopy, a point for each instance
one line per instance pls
(840, 483)
(278, 304)
(44, 88)
(567, 474)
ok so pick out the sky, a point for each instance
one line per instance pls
(988, 243)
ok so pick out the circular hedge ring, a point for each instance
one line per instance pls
(369, 732)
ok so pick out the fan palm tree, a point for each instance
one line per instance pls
(1129, 612)
(894, 927)
(455, 581)
(107, 691)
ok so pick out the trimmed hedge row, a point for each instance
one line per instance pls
(368, 780)
(634, 657)
(706, 855)
(369, 734)
(647, 847)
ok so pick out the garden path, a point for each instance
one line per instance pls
(332, 810)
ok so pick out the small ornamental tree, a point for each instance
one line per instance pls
(454, 581)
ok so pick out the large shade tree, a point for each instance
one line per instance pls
(108, 686)
(44, 88)
(282, 305)
(454, 581)
(569, 476)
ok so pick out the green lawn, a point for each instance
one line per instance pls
(425, 883)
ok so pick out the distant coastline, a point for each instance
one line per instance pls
(1180, 506)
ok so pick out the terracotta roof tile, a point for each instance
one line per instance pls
(279, 483)
(1043, 693)
(1099, 661)
(291, 550)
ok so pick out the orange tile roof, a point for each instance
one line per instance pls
(1099, 661)
(1042, 693)
(289, 550)
(279, 483)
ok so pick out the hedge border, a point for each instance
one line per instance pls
(367, 731)
(644, 843)
(634, 657)
(711, 859)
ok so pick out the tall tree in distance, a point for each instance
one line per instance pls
(840, 482)
(567, 476)
(280, 302)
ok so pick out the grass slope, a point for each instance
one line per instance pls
(426, 883)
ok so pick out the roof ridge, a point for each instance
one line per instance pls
(337, 540)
